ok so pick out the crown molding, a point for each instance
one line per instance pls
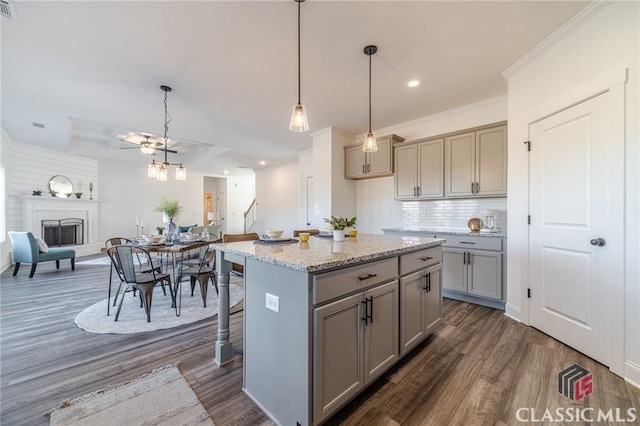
(585, 15)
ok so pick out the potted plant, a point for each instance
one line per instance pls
(170, 208)
(78, 194)
(338, 224)
(159, 229)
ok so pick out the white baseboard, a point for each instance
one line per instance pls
(632, 373)
(513, 312)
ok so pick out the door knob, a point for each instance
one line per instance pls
(598, 242)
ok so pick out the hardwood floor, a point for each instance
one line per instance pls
(478, 368)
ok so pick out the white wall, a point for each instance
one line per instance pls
(240, 193)
(593, 49)
(277, 195)
(126, 193)
(376, 206)
(305, 172)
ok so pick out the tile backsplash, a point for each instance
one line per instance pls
(451, 215)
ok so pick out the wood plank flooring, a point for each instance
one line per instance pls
(478, 368)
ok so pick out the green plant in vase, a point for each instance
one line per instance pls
(159, 229)
(170, 207)
(339, 224)
(53, 193)
(78, 194)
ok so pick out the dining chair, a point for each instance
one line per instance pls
(200, 272)
(141, 267)
(296, 233)
(231, 238)
(193, 257)
(122, 260)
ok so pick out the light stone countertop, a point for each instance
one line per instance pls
(445, 232)
(321, 254)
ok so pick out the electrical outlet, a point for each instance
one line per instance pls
(272, 302)
(423, 212)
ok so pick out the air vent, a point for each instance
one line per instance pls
(34, 124)
(8, 9)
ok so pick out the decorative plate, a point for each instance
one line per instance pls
(474, 224)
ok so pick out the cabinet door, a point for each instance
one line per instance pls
(354, 162)
(459, 164)
(379, 163)
(411, 310)
(491, 161)
(485, 273)
(430, 170)
(406, 172)
(454, 269)
(337, 354)
(433, 299)
(381, 332)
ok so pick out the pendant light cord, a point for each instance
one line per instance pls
(370, 93)
(299, 52)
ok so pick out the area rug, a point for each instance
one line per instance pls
(162, 397)
(133, 318)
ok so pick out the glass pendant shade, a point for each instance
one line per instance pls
(162, 174)
(152, 170)
(370, 144)
(299, 122)
(147, 150)
(181, 173)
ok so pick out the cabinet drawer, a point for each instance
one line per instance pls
(420, 260)
(344, 281)
(476, 243)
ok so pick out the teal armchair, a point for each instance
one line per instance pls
(25, 250)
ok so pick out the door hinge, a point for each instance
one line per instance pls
(529, 293)
(529, 220)
(528, 143)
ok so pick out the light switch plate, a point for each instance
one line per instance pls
(272, 302)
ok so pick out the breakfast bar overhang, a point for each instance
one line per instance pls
(324, 319)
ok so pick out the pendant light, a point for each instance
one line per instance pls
(299, 122)
(159, 171)
(370, 144)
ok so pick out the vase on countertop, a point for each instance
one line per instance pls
(338, 235)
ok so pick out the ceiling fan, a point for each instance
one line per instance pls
(146, 146)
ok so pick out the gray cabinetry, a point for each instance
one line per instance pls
(355, 340)
(473, 266)
(360, 165)
(419, 173)
(476, 163)
(420, 296)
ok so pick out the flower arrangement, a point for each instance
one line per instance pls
(170, 207)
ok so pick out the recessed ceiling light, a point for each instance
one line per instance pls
(226, 172)
(262, 163)
(413, 83)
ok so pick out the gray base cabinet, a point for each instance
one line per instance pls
(335, 332)
(477, 272)
(355, 341)
(421, 306)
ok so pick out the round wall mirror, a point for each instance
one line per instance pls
(61, 185)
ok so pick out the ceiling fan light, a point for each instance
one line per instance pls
(370, 144)
(162, 174)
(181, 173)
(153, 169)
(299, 122)
(147, 150)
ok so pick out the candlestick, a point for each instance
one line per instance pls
(90, 186)
(137, 229)
(136, 221)
(142, 230)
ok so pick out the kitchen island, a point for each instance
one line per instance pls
(324, 319)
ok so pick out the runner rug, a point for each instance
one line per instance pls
(162, 397)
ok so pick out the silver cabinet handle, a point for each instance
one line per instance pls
(600, 242)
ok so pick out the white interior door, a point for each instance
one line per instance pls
(576, 196)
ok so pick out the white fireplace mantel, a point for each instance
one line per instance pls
(35, 209)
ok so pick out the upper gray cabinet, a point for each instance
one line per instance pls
(362, 165)
(469, 164)
(419, 172)
(476, 163)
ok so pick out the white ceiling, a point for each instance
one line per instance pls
(92, 70)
